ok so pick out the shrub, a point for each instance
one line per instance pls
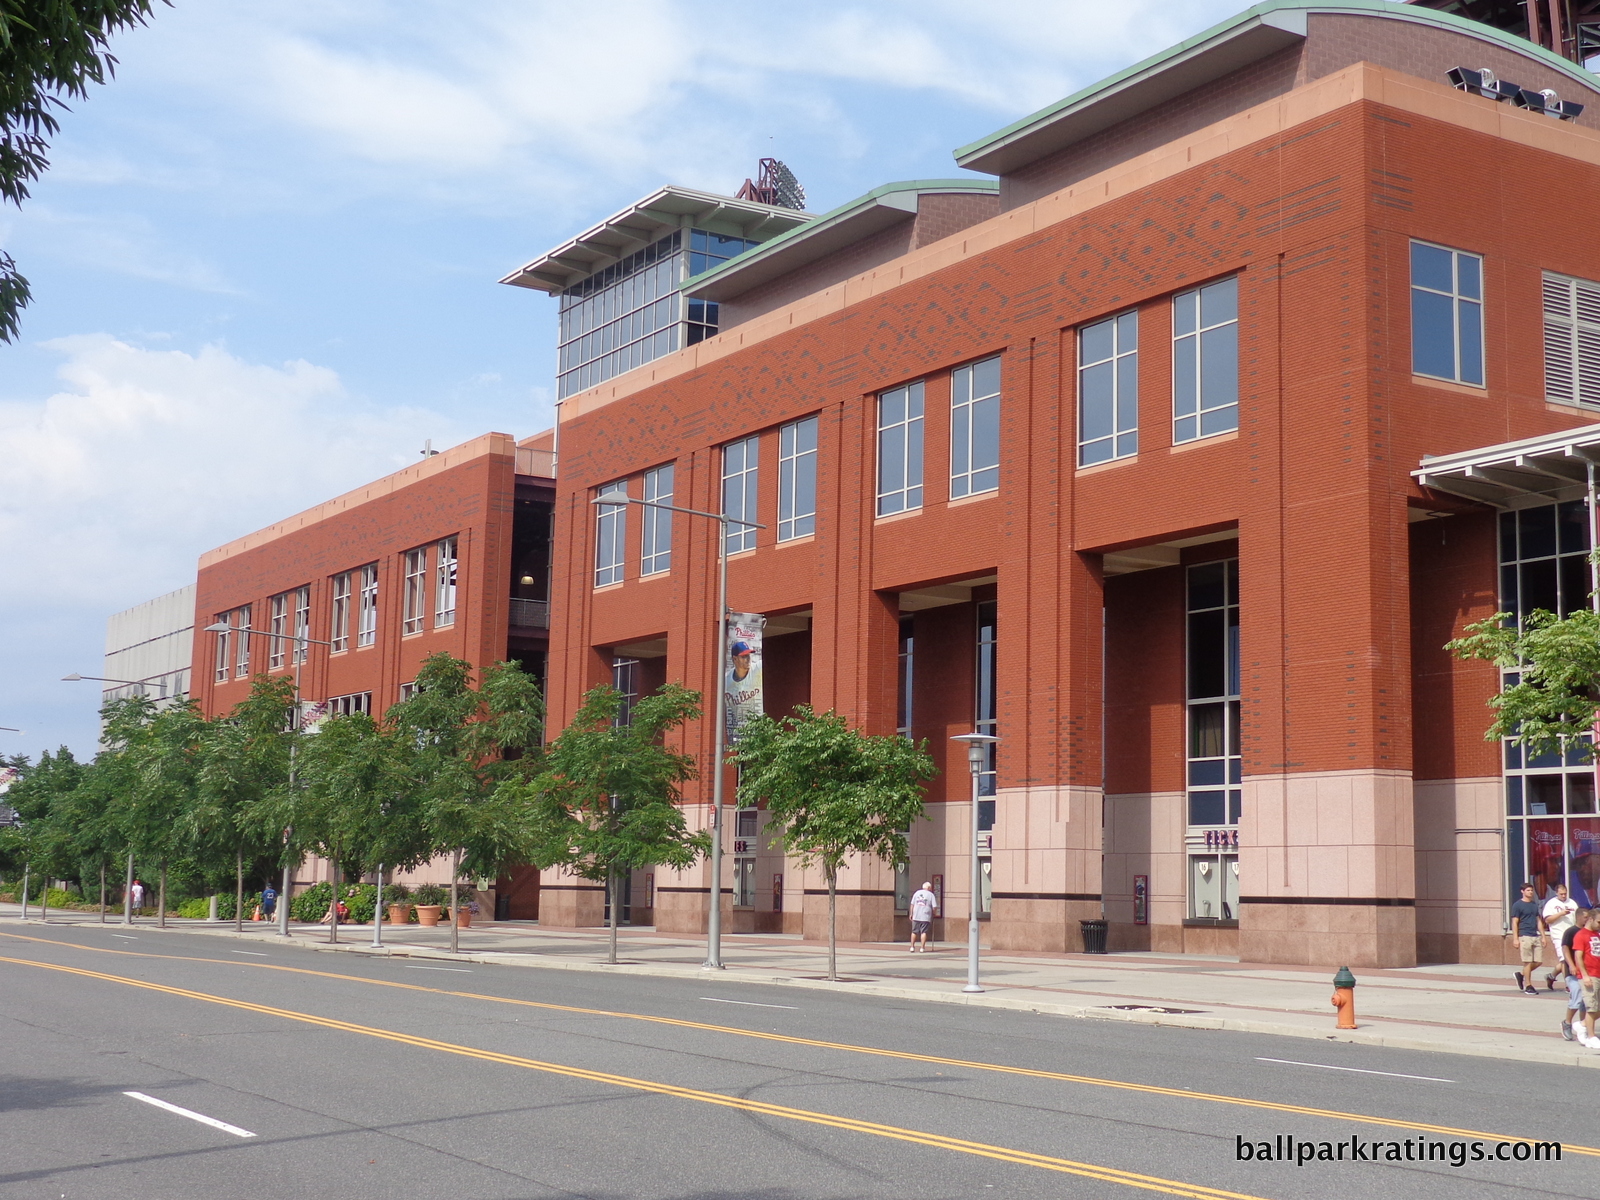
(198, 908)
(60, 898)
(310, 904)
(431, 893)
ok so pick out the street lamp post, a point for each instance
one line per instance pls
(283, 894)
(144, 683)
(977, 749)
(714, 923)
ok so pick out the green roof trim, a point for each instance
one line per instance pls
(836, 217)
(1287, 13)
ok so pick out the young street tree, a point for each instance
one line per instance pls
(607, 800)
(832, 791)
(1555, 701)
(49, 49)
(461, 744)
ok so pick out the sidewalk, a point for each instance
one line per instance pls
(1462, 1008)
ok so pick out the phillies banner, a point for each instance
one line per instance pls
(741, 686)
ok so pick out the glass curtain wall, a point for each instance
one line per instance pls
(1215, 766)
(1552, 829)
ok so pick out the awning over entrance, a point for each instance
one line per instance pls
(1555, 466)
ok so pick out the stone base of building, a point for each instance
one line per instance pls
(686, 910)
(572, 905)
(1042, 924)
(1311, 934)
(861, 916)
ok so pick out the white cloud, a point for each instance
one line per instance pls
(121, 243)
(145, 458)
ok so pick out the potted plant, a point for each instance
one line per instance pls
(399, 898)
(464, 914)
(430, 903)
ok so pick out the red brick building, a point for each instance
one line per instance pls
(1113, 455)
(451, 554)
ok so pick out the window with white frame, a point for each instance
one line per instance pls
(610, 536)
(900, 449)
(349, 705)
(1446, 313)
(415, 596)
(367, 628)
(1205, 361)
(1108, 390)
(302, 624)
(408, 691)
(224, 641)
(1571, 340)
(241, 650)
(339, 621)
(905, 709)
(975, 428)
(444, 584)
(797, 479)
(745, 839)
(739, 466)
(277, 626)
(657, 546)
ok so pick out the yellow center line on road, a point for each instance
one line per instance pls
(1045, 1162)
(904, 1055)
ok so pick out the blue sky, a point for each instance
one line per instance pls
(264, 259)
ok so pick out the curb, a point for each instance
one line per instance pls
(1522, 1054)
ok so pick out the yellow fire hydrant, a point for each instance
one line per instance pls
(1344, 998)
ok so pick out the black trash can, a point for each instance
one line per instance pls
(502, 908)
(1094, 936)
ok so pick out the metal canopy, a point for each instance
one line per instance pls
(1540, 469)
(640, 224)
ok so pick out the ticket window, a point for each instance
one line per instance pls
(744, 862)
(902, 888)
(744, 883)
(1214, 887)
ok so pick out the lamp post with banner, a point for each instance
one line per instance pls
(721, 674)
(977, 751)
(297, 660)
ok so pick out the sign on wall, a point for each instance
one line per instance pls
(1141, 899)
(742, 683)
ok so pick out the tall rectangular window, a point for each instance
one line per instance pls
(278, 625)
(1108, 390)
(906, 712)
(975, 428)
(444, 584)
(416, 591)
(1572, 340)
(302, 624)
(986, 708)
(739, 463)
(900, 449)
(657, 546)
(625, 679)
(1205, 361)
(1446, 313)
(367, 631)
(339, 625)
(797, 479)
(1213, 693)
(224, 641)
(611, 535)
(241, 651)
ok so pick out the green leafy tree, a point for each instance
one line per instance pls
(166, 756)
(47, 839)
(832, 791)
(360, 809)
(607, 801)
(50, 51)
(462, 743)
(245, 801)
(1555, 701)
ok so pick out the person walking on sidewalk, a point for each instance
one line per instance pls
(1558, 918)
(1577, 1007)
(924, 904)
(1527, 918)
(136, 895)
(269, 902)
(1586, 957)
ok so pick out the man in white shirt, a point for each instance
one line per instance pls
(1558, 914)
(924, 904)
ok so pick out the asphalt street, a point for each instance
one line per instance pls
(170, 1066)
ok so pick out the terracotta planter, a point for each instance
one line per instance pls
(399, 914)
(463, 918)
(428, 915)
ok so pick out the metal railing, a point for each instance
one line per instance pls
(530, 614)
